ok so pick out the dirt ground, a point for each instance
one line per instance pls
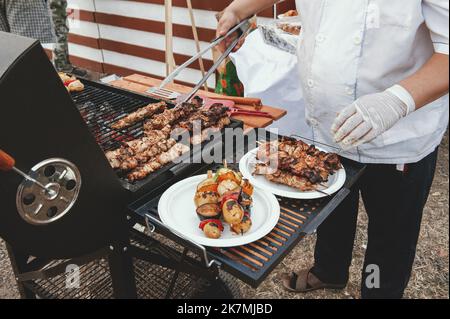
(430, 278)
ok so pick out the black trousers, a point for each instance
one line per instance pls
(394, 202)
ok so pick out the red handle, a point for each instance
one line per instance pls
(242, 100)
(6, 161)
(250, 113)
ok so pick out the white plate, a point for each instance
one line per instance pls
(247, 164)
(177, 210)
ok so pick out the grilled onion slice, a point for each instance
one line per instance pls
(209, 211)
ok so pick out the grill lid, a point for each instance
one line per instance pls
(39, 121)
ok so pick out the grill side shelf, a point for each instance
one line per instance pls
(252, 263)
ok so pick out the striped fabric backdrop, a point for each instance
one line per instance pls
(124, 37)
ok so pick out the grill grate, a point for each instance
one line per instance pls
(100, 107)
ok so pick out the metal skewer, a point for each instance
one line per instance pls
(322, 192)
(7, 163)
(339, 150)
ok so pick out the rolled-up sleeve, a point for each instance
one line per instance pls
(436, 17)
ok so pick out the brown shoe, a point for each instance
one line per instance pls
(305, 281)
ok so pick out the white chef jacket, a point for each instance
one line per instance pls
(350, 48)
(272, 75)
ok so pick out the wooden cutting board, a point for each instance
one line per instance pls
(139, 83)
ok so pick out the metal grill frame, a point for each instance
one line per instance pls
(254, 262)
(153, 280)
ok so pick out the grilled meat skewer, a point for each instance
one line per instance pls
(151, 138)
(141, 150)
(298, 161)
(205, 118)
(141, 158)
(300, 149)
(139, 115)
(145, 155)
(206, 133)
(206, 121)
(158, 162)
(156, 149)
(132, 148)
(284, 178)
(170, 117)
(117, 156)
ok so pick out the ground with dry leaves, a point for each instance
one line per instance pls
(430, 278)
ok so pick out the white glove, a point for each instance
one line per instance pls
(371, 115)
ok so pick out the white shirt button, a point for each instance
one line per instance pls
(320, 38)
(357, 39)
(349, 90)
(313, 122)
(311, 83)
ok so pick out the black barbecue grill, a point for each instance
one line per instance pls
(99, 231)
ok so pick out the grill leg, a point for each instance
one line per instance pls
(175, 276)
(19, 262)
(122, 272)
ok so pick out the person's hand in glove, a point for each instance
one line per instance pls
(371, 115)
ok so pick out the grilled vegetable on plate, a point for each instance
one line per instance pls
(233, 212)
(218, 196)
(212, 228)
(219, 209)
(242, 227)
(209, 211)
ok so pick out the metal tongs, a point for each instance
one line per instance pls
(242, 28)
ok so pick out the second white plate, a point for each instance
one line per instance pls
(247, 165)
